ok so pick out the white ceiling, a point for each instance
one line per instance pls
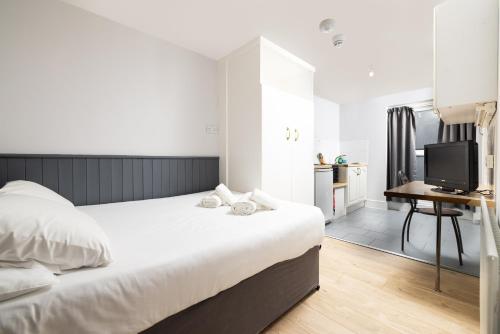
(392, 36)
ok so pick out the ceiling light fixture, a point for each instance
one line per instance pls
(371, 73)
(326, 26)
(338, 40)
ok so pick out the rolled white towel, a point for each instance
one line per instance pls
(264, 199)
(225, 194)
(211, 201)
(244, 207)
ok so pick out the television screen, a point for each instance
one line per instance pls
(452, 165)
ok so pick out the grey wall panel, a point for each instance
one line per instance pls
(181, 176)
(16, 169)
(172, 178)
(93, 181)
(3, 171)
(105, 180)
(147, 178)
(165, 177)
(203, 175)
(50, 174)
(156, 178)
(116, 180)
(65, 178)
(196, 175)
(79, 181)
(189, 176)
(137, 179)
(212, 173)
(87, 180)
(34, 170)
(128, 180)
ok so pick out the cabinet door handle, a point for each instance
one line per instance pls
(287, 133)
(296, 134)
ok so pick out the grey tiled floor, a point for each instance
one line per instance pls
(381, 229)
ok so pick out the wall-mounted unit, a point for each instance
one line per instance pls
(465, 60)
(267, 121)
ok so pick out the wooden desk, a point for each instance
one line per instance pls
(420, 191)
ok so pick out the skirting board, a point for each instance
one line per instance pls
(376, 204)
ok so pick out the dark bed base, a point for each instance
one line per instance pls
(251, 305)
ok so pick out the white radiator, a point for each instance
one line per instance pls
(489, 275)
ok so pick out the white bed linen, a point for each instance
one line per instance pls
(169, 254)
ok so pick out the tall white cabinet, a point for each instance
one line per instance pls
(267, 121)
(465, 58)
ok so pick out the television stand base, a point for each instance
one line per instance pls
(449, 191)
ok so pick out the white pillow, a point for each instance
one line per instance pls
(33, 228)
(21, 187)
(18, 281)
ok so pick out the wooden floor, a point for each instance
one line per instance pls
(368, 291)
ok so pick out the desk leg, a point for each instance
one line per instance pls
(438, 246)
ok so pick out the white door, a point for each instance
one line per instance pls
(276, 143)
(303, 150)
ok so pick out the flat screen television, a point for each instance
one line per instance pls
(452, 166)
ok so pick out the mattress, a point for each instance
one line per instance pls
(169, 254)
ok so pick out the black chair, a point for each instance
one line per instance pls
(445, 212)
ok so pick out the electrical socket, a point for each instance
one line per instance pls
(211, 130)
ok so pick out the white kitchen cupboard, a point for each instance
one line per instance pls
(356, 178)
(266, 113)
(465, 58)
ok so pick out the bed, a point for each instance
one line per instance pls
(178, 268)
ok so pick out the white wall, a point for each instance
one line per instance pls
(326, 129)
(73, 82)
(363, 135)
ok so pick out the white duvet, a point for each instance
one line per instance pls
(169, 254)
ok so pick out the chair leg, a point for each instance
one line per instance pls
(404, 227)
(459, 234)
(408, 228)
(459, 247)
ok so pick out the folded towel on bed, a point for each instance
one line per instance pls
(264, 199)
(244, 206)
(211, 201)
(225, 194)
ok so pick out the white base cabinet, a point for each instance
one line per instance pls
(356, 178)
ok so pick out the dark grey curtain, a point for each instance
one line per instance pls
(456, 132)
(452, 133)
(400, 146)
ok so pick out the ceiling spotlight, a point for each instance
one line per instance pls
(326, 26)
(338, 40)
(371, 73)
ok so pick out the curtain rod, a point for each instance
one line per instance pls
(416, 106)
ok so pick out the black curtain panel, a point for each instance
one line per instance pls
(456, 132)
(452, 133)
(401, 154)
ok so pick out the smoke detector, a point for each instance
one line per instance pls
(326, 26)
(338, 40)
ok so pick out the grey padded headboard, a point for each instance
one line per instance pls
(88, 179)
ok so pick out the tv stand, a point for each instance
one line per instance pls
(449, 191)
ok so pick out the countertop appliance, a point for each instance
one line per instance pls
(323, 191)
